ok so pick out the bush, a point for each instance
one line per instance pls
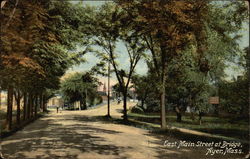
(152, 105)
(137, 109)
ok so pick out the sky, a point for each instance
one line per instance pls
(233, 71)
(141, 67)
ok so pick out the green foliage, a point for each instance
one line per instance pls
(117, 88)
(137, 109)
(35, 53)
(76, 87)
(36, 43)
(107, 29)
(215, 42)
(146, 90)
(235, 96)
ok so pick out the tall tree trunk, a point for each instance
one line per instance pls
(248, 70)
(0, 98)
(25, 106)
(41, 101)
(18, 103)
(142, 104)
(32, 106)
(163, 99)
(9, 108)
(178, 113)
(29, 106)
(200, 117)
(36, 105)
(44, 104)
(125, 117)
(163, 87)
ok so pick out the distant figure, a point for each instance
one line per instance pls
(119, 101)
(57, 108)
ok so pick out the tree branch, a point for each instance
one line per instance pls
(12, 14)
(151, 48)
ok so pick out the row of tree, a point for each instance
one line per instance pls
(36, 37)
(180, 40)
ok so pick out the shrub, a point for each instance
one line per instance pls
(137, 109)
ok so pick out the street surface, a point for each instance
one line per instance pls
(82, 135)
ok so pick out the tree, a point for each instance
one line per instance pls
(108, 31)
(117, 89)
(15, 45)
(143, 87)
(247, 57)
(34, 52)
(74, 88)
(234, 96)
(167, 27)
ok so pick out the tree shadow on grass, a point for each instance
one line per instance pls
(175, 135)
(47, 139)
(242, 134)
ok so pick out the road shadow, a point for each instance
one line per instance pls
(60, 141)
(78, 137)
(166, 152)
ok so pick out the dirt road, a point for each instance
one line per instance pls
(82, 135)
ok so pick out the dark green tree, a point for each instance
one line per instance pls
(80, 87)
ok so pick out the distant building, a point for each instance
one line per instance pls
(103, 93)
(3, 98)
(55, 101)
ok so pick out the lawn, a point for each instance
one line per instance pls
(227, 127)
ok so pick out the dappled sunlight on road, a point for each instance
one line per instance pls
(84, 135)
(59, 141)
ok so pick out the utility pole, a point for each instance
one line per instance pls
(86, 93)
(108, 115)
